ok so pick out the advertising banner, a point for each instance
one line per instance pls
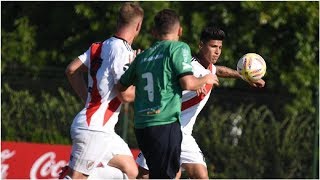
(21, 160)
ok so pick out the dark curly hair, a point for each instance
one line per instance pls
(211, 33)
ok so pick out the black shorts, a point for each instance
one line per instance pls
(161, 146)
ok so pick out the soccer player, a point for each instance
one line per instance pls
(210, 48)
(93, 136)
(160, 73)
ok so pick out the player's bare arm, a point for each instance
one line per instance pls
(225, 72)
(259, 83)
(74, 73)
(190, 82)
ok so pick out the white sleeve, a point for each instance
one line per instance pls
(120, 63)
(85, 57)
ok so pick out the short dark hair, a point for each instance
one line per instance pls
(128, 12)
(165, 21)
(211, 33)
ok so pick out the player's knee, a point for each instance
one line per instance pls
(130, 170)
(199, 175)
(196, 171)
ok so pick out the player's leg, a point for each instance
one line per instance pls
(195, 170)
(122, 157)
(100, 172)
(73, 174)
(192, 160)
(143, 173)
(142, 167)
(106, 172)
(178, 175)
(161, 146)
(126, 164)
(144, 170)
(88, 149)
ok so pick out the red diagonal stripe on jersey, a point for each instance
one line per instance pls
(112, 107)
(197, 99)
(95, 101)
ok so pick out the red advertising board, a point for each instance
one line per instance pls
(34, 161)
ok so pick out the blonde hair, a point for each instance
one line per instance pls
(129, 12)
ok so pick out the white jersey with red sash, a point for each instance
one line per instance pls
(106, 63)
(191, 103)
(92, 131)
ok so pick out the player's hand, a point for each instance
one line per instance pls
(202, 91)
(135, 53)
(258, 84)
(212, 79)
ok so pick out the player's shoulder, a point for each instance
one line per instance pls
(117, 43)
(179, 43)
(196, 65)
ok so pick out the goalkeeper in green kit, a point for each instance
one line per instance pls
(160, 74)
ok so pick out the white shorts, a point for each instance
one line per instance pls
(190, 153)
(89, 148)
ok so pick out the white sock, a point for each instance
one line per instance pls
(107, 172)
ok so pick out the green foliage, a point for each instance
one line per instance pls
(288, 55)
(251, 143)
(18, 45)
(284, 33)
(28, 118)
(39, 36)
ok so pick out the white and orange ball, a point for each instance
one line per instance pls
(252, 67)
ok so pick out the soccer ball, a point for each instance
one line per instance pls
(252, 67)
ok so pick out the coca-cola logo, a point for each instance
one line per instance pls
(5, 155)
(46, 166)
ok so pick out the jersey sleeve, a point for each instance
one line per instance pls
(85, 57)
(182, 60)
(120, 64)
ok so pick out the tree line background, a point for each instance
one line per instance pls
(244, 132)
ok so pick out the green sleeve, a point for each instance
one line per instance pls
(182, 60)
(129, 76)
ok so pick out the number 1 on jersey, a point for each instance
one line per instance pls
(149, 86)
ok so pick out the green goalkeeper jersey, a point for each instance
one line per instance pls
(156, 72)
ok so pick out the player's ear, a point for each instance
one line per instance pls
(200, 44)
(139, 26)
(180, 31)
